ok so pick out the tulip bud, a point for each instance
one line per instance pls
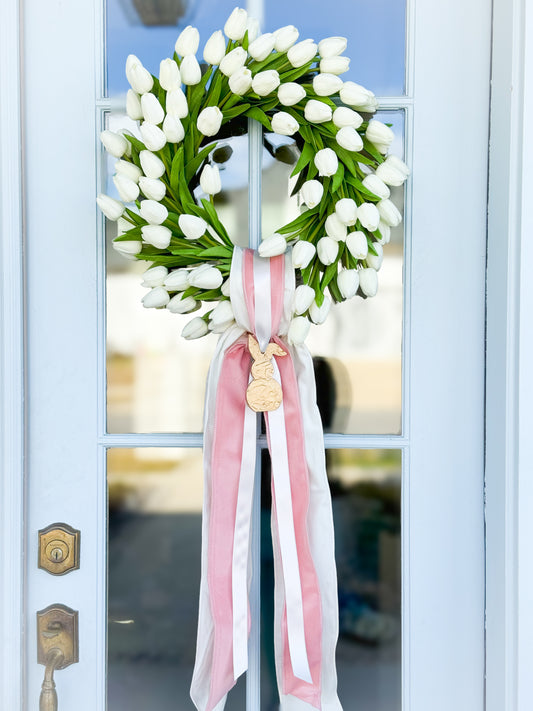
(152, 188)
(156, 235)
(215, 48)
(193, 227)
(317, 111)
(326, 84)
(356, 95)
(190, 71)
(378, 133)
(155, 298)
(389, 213)
(303, 298)
(112, 209)
(195, 329)
(129, 170)
(153, 212)
(235, 26)
(177, 103)
(284, 124)
(346, 211)
(285, 37)
(210, 180)
(311, 192)
(233, 61)
(272, 246)
(127, 189)
(221, 316)
(155, 276)
(140, 78)
(375, 260)
(348, 138)
(188, 41)
(376, 186)
(209, 120)
(177, 280)
(261, 47)
(152, 165)
(205, 277)
(152, 109)
(298, 330)
(264, 83)
(398, 164)
(225, 288)
(169, 75)
(128, 248)
(319, 314)
(393, 171)
(180, 305)
(335, 228)
(335, 65)
(368, 281)
(114, 143)
(302, 254)
(290, 93)
(343, 116)
(173, 129)
(332, 46)
(326, 161)
(384, 231)
(252, 27)
(357, 244)
(368, 216)
(348, 282)
(133, 105)
(153, 137)
(327, 250)
(240, 81)
(301, 53)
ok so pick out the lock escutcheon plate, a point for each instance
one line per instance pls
(59, 548)
(57, 628)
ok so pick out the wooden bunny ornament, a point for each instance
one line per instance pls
(264, 392)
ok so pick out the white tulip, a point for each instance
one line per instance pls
(240, 81)
(335, 228)
(156, 235)
(233, 61)
(375, 260)
(153, 212)
(265, 83)
(335, 65)
(128, 248)
(222, 315)
(176, 103)
(343, 116)
(155, 298)
(368, 216)
(327, 250)
(225, 288)
(177, 280)
(346, 211)
(209, 120)
(173, 129)
(392, 171)
(140, 79)
(114, 143)
(220, 327)
(205, 277)
(376, 186)
(261, 47)
(272, 246)
(180, 305)
(210, 180)
(285, 38)
(284, 124)
(169, 75)
(193, 227)
(133, 105)
(123, 226)
(152, 165)
(155, 276)
(326, 161)
(348, 138)
(153, 137)
(348, 282)
(326, 84)
(215, 48)
(129, 170)
(311, 192)
(195, 329)
(301, 53)
(152, 109)
(152, 188)
(319, 314)
(302, 253)
(290, 93)
(368, 281)
(357, 244)
(190, 71)
(235, 27)
(302, 299)
(298, 330)
(188, 41)
(356, 95)
(384, 231)
(399, 165)
(389, 213)
(379, 134)
(332, 46)
(112, 209)
(317, 111)
(127, 189)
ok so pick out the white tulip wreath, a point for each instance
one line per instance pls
(293, 89)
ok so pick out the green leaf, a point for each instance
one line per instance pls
(234, 111)
(176, 170)
(335, 291)
(215, 222)
(297, 223)
(330, 271)
(305, 158)
(337, 178)
(259, 115)
(193, 165)
(219, 251)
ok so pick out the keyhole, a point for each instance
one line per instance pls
(57, 555)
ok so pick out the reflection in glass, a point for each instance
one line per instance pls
(366, 495)
(155, 506)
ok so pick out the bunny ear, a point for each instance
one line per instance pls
(274, 349)
(253, 347)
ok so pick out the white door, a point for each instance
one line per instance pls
(114, 435)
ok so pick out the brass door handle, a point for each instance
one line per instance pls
(57, 648)
(48, 698)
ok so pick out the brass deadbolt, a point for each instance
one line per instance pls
(59, 548)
